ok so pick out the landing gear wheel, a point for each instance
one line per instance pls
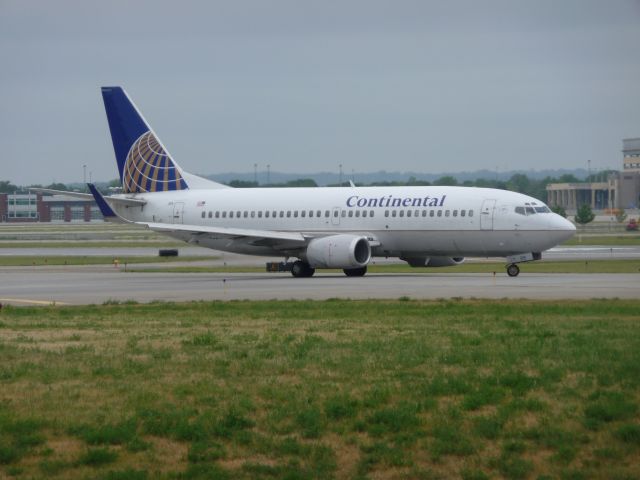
(513, 270)
(355, 272)
(302, 269)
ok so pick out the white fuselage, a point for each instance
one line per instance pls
(399, 221)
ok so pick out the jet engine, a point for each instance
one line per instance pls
(339, 251)
(433, 261)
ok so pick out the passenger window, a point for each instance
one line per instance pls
(357, 213)
(203, 213)
(402, 213)
(310, 213)
(295, 214)
(260, 214)
(281, 213)
(245, 214)
(303, 213)
(424, 213)
(386, 213)
(224, 214)
(432, 213)
(230, 214)
(275, 214)
(335, 213)
(455, 213)
(253, 213)
(446, 213)
(217, 214)
(439, 213)
(471, 213)
(364, 213)
(210, 214)
(266, 214)
(371, 213)
(319, 213)
(288, 213)
(344, 213)
(238, 214)
(350, 213)
(462, 213)
(393, 213)
(408, 213)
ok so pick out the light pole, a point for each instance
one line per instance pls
(255, 174)
(340, 174)
(268, 174)
(84, 176)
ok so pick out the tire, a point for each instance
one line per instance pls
(355, 272)
(302, 269)
(513, 270)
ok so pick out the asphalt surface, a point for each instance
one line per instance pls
(99, 284)
(558, 253)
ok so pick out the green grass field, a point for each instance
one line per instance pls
(332, 389)
(28, 260)
(624, 239)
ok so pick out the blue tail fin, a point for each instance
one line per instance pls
(143, 163)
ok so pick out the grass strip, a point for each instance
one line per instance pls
(330, 389)
(28, 260)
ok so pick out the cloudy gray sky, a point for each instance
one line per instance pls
(305, 86)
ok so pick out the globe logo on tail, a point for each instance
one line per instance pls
(149, 168)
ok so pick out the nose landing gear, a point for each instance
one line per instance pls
(512, 268)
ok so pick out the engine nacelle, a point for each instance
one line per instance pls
(433, 261)
(339, 251)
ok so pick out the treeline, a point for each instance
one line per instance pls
(518, 182)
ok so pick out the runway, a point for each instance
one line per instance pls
(589, 252)
(96, 285)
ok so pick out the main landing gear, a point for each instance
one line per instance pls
(301, 269)
(513, 270)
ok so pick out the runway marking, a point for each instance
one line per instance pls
(32, 302)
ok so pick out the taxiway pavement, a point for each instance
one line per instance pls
(96, 285)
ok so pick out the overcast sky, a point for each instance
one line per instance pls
(305, 86)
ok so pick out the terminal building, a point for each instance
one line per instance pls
(32, 207)
(620, 190)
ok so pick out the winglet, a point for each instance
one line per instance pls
(107, 212)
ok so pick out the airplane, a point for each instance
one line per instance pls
(321, 227)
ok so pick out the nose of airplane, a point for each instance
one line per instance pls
(562, 228)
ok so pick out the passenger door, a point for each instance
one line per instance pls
(178, 212)
(486, 214)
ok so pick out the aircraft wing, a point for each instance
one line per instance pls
(252, 236)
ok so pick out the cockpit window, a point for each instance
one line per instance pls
(520, 211)
(542, 209)
(530, 210)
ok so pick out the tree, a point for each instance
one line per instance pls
(58, 186)
(7, 187)
(621, 215)
(446, 180)
(559, 210)
(242, 184)
(584, 214)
